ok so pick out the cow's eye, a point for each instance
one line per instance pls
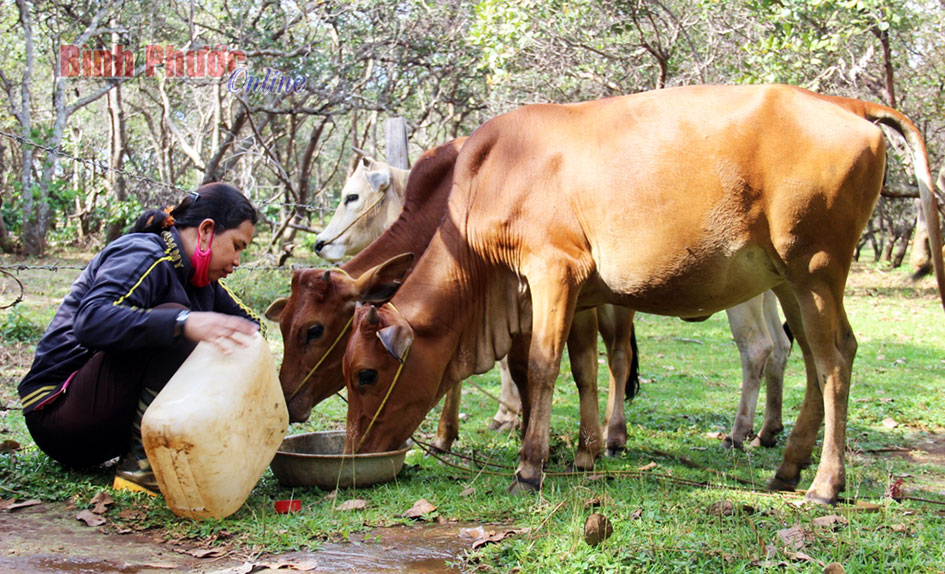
(350, 198)
(367, 377)
(314, 332)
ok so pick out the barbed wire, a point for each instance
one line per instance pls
(19, 298)
(65, 267)
(92, 163)
(95, 164)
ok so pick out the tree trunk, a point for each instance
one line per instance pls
(118, 141)
(921, 254)
(903, 246)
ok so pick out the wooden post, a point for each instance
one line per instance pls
(396, 129)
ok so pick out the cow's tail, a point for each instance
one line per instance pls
(920, 160)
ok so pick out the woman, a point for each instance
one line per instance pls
(131, 318)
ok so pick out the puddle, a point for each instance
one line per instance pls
(420, 549)
(46, 539)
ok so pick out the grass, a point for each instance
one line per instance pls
(662, 516)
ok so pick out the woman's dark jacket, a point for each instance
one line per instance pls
(110, 307)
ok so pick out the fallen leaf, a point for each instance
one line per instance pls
(595, 502)
(890, 423)
(597, 529)
(721, 508)
(895, 490)
(477, 532)
(900, 528)
(792, 537)
(10, 445)
(833, 522)
(468, 492)
(100, 502)
(717, 435)
(10, 506)
(419, 508)
(202, 552)
(244, 568)
(132, 514)
(353, 504)
(90, 518)
(636, 514)
(156, 565)
(298, 563)
(647, 467)
(492, 538)
(803, 557)
(834, 568)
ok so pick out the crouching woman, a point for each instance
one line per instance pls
(131, 318)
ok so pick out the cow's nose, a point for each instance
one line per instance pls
(319, 245)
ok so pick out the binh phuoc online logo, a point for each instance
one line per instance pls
(119, 62)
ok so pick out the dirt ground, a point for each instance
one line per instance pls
(48, 539)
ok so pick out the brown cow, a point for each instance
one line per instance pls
(315, 319)
(678, 202)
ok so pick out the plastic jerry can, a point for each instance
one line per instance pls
(215, 427)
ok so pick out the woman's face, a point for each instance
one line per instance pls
(226, 247)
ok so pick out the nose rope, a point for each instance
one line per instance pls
(358, 218)
(384, 402)
(320, 361)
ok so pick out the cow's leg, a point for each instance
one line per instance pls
(448, 428)
(582, 350)
(774, 374)
(510, 403)
(829, 347)
(517, 361)
(553, 302)
(750, 332)
(616, 325)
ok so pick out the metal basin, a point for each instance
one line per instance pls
(316, 459)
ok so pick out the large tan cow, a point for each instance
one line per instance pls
(681, 202)
(316, 317)
(762, 345)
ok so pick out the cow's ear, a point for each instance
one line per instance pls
(274, 312)
(379, 283)
(379, 179)
(397, 340)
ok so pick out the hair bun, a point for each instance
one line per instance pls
(153, 221)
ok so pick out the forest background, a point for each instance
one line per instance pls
(80, 156)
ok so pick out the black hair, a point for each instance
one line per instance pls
(221, 202)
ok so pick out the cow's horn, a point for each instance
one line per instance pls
(372, 318)
(327, 276)
(359, 151)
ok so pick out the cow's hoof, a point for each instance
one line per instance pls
(615, 450)
(503, 425)
(767, 438)
(730, 443)
(781, 484)
(814, 498)
(578, 466)
(441, 447)
(524, 486)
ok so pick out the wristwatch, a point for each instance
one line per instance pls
(179, 323)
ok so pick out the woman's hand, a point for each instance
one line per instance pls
(219, 329)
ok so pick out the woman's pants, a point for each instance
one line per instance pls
(93, 421)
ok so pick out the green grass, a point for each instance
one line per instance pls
(660, 516)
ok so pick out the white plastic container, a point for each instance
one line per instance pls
(214, 428)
